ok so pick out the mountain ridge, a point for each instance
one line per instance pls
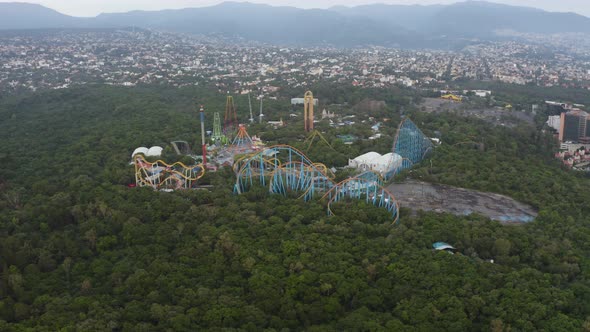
(375, 24)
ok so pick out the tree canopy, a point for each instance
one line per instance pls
(79, 250)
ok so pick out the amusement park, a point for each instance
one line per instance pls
(281, 168)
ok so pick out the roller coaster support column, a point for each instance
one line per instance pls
(202, 113)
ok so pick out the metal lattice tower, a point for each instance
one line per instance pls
(230, 123)
(308, 111)
(217, 136)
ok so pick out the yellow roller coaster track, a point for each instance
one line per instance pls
(188, 174)
(311, 139)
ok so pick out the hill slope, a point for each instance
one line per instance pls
(471, 18)
(16, 15)
(278, 25)
(385, 25)
(480, 19)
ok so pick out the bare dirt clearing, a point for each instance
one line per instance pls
(440, 198)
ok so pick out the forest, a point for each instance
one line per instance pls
(81, 251)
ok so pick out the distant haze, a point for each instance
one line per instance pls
(95, 7)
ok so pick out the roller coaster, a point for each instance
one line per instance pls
(162, 176)
(411, 144)
(363, 187)
(286, 170)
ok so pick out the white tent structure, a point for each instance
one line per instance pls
(364, 162)
(140, 150)
(373, 161)
(154, 151)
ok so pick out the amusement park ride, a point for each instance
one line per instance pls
(308, 111)
(285, 169)
(162, 176)
(315, 136)
(218, 137)
(411, 144)
(230, 122)
(282, 168)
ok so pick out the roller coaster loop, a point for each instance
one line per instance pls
(365, 188)
(160, 175)
(285, 169)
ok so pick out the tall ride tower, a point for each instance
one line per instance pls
(250, 105)
(230, 123)
(261, 115)
(217, 137)
(308, 111)
(202, 113)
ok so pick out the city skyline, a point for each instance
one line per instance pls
(95, 7)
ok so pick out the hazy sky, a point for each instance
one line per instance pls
(94, 7)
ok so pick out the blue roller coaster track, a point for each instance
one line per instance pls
(411, 144)
(284, 169)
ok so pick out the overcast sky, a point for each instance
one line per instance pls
(95, 7)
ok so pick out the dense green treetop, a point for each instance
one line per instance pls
(79, 250)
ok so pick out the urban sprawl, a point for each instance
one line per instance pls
(59, 59)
